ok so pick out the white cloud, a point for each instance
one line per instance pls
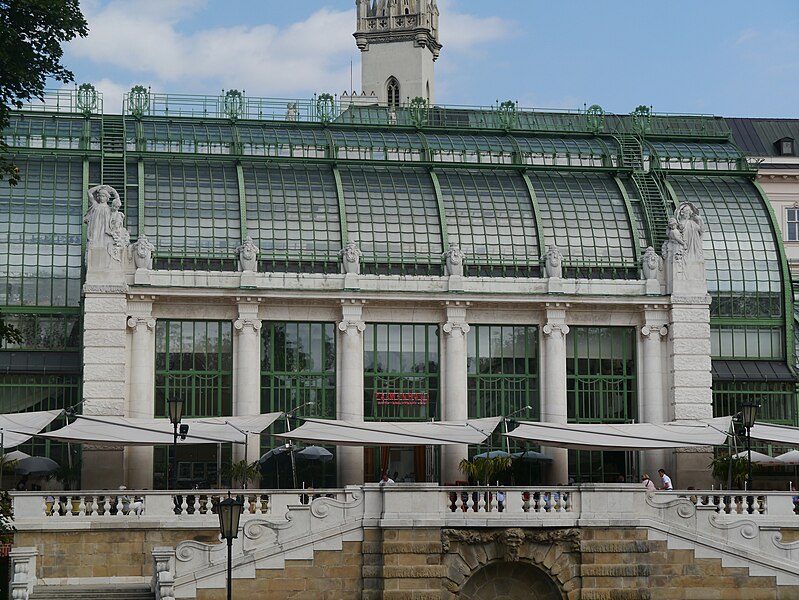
(140, 41)
(745, 36)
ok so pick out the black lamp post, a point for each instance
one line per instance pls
(175, 415)
(748, 415)
(229, 514)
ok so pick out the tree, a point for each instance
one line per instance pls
(484, 470)
(31, 35)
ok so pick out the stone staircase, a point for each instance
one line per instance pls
(91, 592)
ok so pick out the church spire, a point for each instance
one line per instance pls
(399, 42)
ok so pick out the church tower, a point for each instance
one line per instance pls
(398, 40)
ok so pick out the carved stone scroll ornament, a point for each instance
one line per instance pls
(143, 253)
(555, 329)
(351, 258)
(456, 328)
(654, 332)
(553, 262)
(135, 322)
(511, 539)
(248, 255)
(352, 327)
(651, 264)
(247, 325)
(453, 260)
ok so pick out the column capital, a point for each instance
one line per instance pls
(135, 322)
(352, 327)
(455, 328)
(247, 325)
(654, 332)
(554, 329)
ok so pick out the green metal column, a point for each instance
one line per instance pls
(442, 217)
(342, 210)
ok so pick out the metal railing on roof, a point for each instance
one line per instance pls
(84, 99)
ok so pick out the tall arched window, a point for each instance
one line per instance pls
(393, 92)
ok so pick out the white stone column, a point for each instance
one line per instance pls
(141, 390)
(691, 393)
(104, 377)
(553, 406)
(247, 375)
(653, 384)
(455, 406)
(350, 398)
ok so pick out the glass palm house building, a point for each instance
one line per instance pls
(403, 337)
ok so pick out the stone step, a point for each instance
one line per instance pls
(91, 592)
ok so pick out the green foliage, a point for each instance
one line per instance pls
(731, 471)
(9, 333)
(6, 518)
(31, 35)
(68, 476)
(243, 473)
(485, 470)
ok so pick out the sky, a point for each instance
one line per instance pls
(732, 58)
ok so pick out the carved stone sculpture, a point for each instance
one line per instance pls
(692, 229)
(553, 262)
(248, 255)
(143, 253)
(651, 264)
(453, 259)
(98, 217)
(351, 258)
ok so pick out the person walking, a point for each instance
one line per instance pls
(665, 480)
(648, 483)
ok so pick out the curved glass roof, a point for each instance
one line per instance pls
(741, 260)
(584, 215)
(191, 208)
(292, 211)
(568, 151)
(490, 216)
(57, 132)
(297, 142)
(194, 137)
(470, 148)
(392, 213)
(705, 156)
(378, 145)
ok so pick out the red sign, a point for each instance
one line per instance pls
(401, 398)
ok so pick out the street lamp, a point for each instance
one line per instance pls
(229, 514)
(748, 415)
(175, 414)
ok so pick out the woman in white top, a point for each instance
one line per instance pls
(648, 483)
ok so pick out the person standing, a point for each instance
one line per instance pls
(665, 480)
(648, 483)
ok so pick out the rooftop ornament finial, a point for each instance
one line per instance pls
(325, 108)
(507, 113)
(87, 99)
(595, 118)
(642, 119)
(233, 104)
(418, 111)
(139, 101)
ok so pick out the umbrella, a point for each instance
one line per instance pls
(492, 454)
(316, 453)
(758, 458)
(14, 455)
(531, 455)
(274, 452)
(789, 458)
(35, 465)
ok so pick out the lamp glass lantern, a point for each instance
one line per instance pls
(175, 410)
(749, 414)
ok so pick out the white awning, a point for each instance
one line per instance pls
(18, 428)
(404, 433)
(778, 434)
(123, 431)
(633, 436)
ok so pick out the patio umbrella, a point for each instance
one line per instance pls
(35, 465)
(492, 454)
(273, 453)
(531, 455)
(14, 455)
(316, 453)
(789, 458)
(758, 458)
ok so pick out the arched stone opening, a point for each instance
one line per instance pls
(504, 564)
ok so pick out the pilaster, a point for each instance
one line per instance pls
(350, 399)
(455, 387)
(653, 382)
(247, 373)
(554, 408)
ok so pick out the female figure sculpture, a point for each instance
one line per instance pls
(98, 217)
(692, 229)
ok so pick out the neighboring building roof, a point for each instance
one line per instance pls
(757, 137)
